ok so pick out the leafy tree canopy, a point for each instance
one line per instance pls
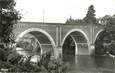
(8, 17)
(74, 21)
(90, 16)
(108, 20)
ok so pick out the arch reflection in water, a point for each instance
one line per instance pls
(89, 64)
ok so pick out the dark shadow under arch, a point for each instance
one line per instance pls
(75, 44)
(103, 41)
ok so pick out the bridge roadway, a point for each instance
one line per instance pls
(55, 34)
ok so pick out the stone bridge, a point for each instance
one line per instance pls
(54, 35)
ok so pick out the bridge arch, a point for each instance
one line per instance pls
(38, 31)
(79, 31)
(74, 30)
(102, 41)
(98, 33)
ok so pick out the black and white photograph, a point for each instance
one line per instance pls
(57, 36)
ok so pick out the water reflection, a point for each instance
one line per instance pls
(90, 64)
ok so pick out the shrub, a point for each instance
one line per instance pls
(45, 65)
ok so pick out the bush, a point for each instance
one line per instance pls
(57, 66)
(45, 65)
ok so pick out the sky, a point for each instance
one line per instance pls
(58, 11)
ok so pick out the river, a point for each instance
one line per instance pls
(90, 64)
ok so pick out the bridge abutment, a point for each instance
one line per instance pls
(92, 49)
(59, 52)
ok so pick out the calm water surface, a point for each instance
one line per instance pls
(90, 64)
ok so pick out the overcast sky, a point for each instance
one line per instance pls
(57, 11)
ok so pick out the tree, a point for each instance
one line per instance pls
(70, 20)
(74, 21)
(108, 20)
(8, 17)
(104, 20)
(90, 16)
